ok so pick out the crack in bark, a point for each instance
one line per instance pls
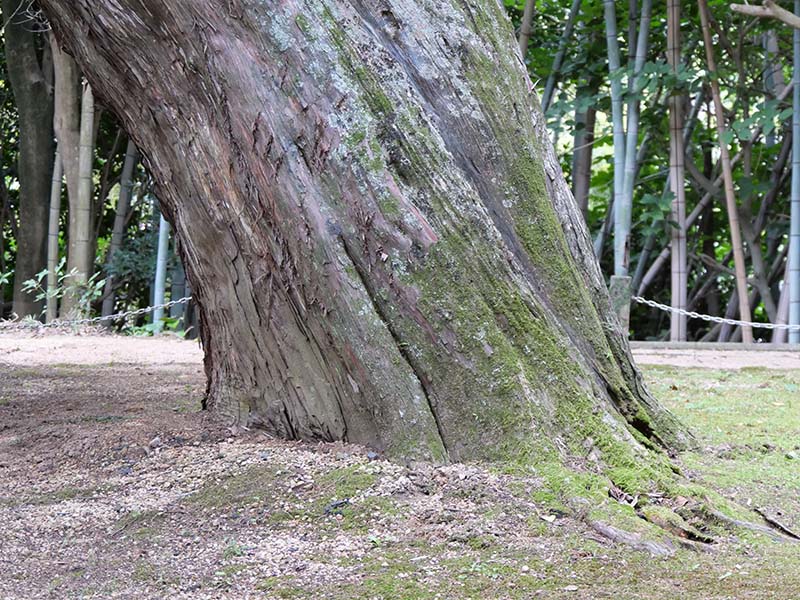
(399, 344)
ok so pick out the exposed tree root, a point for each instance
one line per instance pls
(708, 514)
(682, 530)
(777, 524)
(634, 540)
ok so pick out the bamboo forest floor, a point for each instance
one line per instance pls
(113, 484)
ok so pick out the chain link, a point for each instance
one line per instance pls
(33, 324)
(695, 315)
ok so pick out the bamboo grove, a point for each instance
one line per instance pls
(673, 122)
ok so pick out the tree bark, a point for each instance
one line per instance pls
(375, 225)
(67, 114)
(31, 82)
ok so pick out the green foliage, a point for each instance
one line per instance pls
(750, 106)
(170, 324)
(67, 284)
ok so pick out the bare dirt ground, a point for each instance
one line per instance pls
(709, 358)
(113, 484)
(165, 352)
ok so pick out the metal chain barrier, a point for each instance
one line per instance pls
(33, 324)
(696, 315)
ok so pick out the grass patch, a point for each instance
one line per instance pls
(748, 424)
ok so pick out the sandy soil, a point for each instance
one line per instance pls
(165, 352)
(54, 348)
(718, 359)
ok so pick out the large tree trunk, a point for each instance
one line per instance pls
(30, 73)
(374, 223)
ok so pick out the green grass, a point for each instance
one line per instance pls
(748, 425)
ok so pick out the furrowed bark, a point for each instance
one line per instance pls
(374, 223)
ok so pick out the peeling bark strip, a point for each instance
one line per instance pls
(374, 223)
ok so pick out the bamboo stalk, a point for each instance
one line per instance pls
(623, 210)
(727, 173)
(620, 239)
(678, 277)
(161, 272)
(51, 312)
(81, 259)
(794, 226)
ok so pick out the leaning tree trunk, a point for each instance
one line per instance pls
(374, 223)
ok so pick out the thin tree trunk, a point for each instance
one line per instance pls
(563, 42)
(582, 158)
(80, 262)
(678, 275)
(794, 226)
(773, 73)
(120, 220)
(372, 265)
(52, 238)
(620, 236)
(727, 173)
(525, 27)
(624, 209)
(159, 284)
(67, 118)
(779, 336)
(31, 82)
(644, 256)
